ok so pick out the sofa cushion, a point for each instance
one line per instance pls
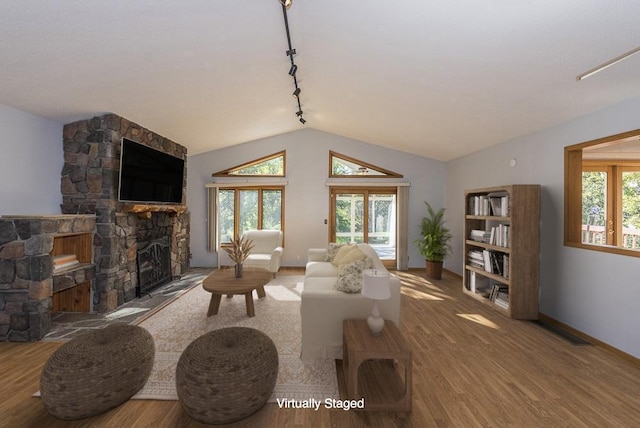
(342, 252)
(320, 269)
(350, 275)
(332, 251)
(370, 252)
(353, 255)
(264, 241)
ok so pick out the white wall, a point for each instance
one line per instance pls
(595, 292)
(30, 163)
(306, 195)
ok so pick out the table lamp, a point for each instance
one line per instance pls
(375, 286)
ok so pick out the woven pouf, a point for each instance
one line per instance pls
(97, 371)
(226, 375)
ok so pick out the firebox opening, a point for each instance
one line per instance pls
(154, 265)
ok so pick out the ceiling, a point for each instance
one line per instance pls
(433, 78)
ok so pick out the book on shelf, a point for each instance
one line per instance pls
(505, 265)
(479, 205)
(475, 259)
(492, 204)
(496, 289)
(502, 304)
(480, 236)
(499, 204)
(64, 261)
(492, 261)
(499, 235)
(499, 294)
(478, 283)
(486, 255)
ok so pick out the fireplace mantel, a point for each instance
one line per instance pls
(145, 210)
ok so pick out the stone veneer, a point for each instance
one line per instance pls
(89, 185)
(26, 272)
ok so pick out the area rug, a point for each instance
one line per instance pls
(278, 315)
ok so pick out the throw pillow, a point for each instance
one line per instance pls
(332, 251)
(353, 255)
(342, 252)
(350, 275)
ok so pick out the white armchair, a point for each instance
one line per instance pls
(267, 249)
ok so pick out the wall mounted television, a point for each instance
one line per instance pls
(148, 175)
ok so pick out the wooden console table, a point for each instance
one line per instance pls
(371, 366)
(223, 281)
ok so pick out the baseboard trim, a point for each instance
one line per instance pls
(593, 340)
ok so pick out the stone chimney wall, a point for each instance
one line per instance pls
(89, 185)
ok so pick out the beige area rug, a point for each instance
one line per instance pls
(278, 315)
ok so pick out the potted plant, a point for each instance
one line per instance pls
(434, 244)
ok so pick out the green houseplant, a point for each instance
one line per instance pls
(434, 243)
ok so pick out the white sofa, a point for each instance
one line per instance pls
(323, 308)
(267, 249)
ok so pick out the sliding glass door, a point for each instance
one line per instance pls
(365, 215)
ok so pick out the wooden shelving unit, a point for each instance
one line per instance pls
(513, 212)
(75, 296)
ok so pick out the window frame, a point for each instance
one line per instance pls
(573, 167)
(335, 191)
(382, 172)
(236, 203)
(231, 172)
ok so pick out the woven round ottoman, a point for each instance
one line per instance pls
(97, 371)
(226, 375)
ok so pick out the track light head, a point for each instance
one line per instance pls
(299, 113)
(286, 3)
(302, 121)
(293, 69)
(296, 92)
(291, 52)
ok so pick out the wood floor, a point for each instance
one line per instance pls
(471, 367)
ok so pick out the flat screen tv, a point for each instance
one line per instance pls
(148, 175)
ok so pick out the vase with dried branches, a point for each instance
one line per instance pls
(238, 252)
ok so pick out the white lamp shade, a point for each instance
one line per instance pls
(375, 284)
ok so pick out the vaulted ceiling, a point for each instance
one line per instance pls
(435, 78)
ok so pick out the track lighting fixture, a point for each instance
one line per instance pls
(607, 64)
(286, 4)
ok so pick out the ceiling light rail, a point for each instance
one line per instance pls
(607, 64)
(286, 4)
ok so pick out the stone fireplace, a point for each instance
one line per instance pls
(31, 286)
(89, 185)
(101, 234)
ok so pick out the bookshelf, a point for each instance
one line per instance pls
(73, 271)
(502, 248)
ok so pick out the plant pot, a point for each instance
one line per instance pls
(434, 270)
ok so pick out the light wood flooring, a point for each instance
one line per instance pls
(471, 367)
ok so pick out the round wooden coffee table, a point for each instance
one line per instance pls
(223, 281)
